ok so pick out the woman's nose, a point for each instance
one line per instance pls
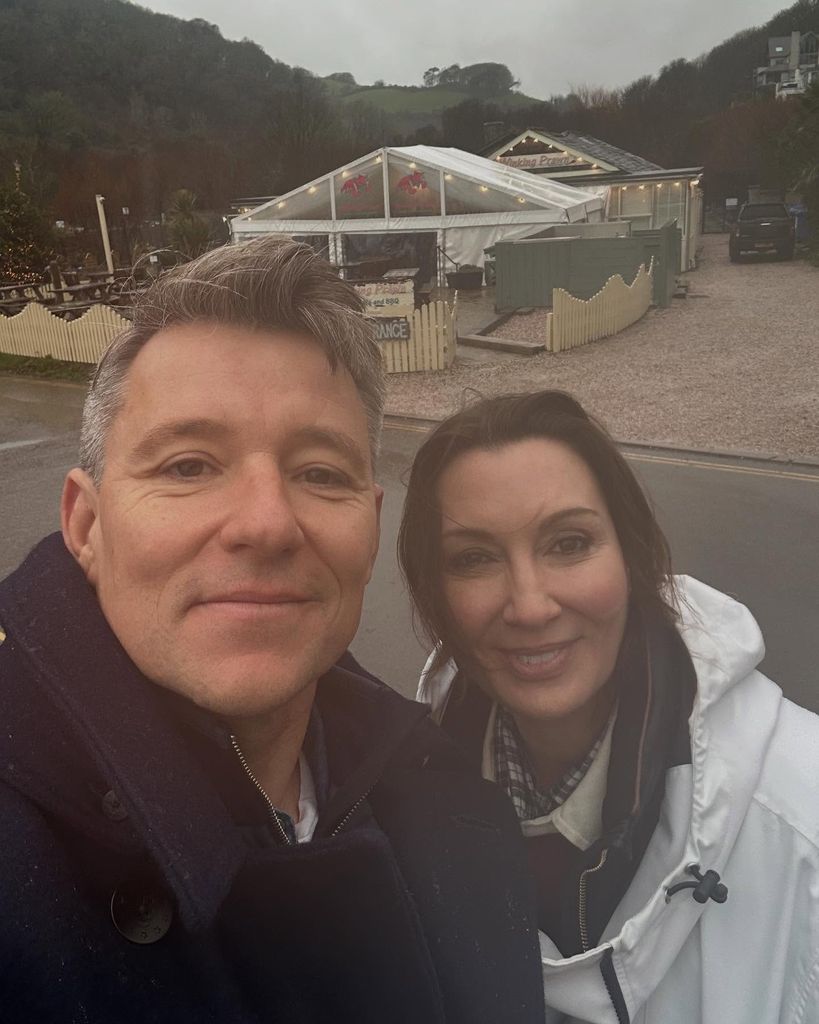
(530, 601)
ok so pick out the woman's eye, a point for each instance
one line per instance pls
(464, 561)
(573, 545)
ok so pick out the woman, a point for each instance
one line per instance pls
(666, 789)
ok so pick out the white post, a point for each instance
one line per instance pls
(106, 244)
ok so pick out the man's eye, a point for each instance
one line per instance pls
(321, 476)
(188, 469)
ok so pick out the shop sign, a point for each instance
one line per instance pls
(392, 328)
(387, 298)
(532, 161)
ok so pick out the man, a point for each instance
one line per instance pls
(208, 811)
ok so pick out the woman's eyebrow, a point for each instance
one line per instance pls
(452, 528)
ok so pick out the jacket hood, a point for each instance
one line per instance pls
(705, 805)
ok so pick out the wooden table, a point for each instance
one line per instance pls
(89, 290)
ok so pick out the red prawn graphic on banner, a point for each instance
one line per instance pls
(355, 186)
(412, 183)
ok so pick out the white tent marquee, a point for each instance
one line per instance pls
(450, 203)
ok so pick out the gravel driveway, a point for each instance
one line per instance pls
(733, 367)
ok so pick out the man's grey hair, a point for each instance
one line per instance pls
(265, 284)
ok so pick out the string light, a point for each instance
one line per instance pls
(521, 199)
(676, 184)
(412, 166)
(312, 189)
(642, 187)
(484, 188)
(281, 204)
(447, 177)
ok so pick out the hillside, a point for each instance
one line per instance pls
(106, 96)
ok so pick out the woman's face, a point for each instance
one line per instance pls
(533, 575)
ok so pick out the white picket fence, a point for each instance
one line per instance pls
(432, 341)
(616, 306)
(37, 332)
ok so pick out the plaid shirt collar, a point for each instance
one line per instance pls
(514, 773)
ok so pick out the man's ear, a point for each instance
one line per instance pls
(379, 501)
(78, 517)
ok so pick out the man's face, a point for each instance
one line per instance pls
(236, 523)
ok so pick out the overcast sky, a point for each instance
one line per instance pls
(550, 45)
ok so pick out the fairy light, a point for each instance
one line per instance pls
(281, 204)
(312, 189)
(521, 199)
(483, 188)
(448, 177)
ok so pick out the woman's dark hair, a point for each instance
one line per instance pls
(493, 423)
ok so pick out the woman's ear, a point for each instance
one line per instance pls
(79, 518)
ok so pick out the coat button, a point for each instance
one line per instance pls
(141, 910)
(112, 807)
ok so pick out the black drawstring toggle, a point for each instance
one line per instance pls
(706, 887)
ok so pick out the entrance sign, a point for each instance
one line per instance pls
(392, 328)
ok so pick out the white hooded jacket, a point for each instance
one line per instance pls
(746, 807)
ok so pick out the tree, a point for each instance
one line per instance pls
(188, 231)
(431, 77)
(26, 240)
(799, 146)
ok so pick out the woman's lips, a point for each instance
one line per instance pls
(539, 662)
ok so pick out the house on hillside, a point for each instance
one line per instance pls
(425, 207)
(793, 64)
(639, 191)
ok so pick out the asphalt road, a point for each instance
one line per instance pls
(746, 527)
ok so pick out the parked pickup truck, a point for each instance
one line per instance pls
(762, 227)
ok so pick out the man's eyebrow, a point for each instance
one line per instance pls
(164, 433)
(457, 530)
(327, 437)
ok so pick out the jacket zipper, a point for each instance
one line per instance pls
(583, 900)
(351, 812)
(271, 809)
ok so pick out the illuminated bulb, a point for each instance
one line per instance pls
(378, 159)
(676, 184)
(484, 188)
(623, 188)
(521, 199)
(312, 189)
(413, 166)
(281, 204)
(448, 177)
(344, 174)
(659, 184)
(642, 187)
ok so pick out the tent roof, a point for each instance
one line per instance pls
(568, 202)
(499, 176)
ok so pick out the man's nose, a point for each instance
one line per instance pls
(530, 599)
(259, 512)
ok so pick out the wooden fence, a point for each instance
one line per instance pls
(432, 341)
(616, 306)
(36, 332)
